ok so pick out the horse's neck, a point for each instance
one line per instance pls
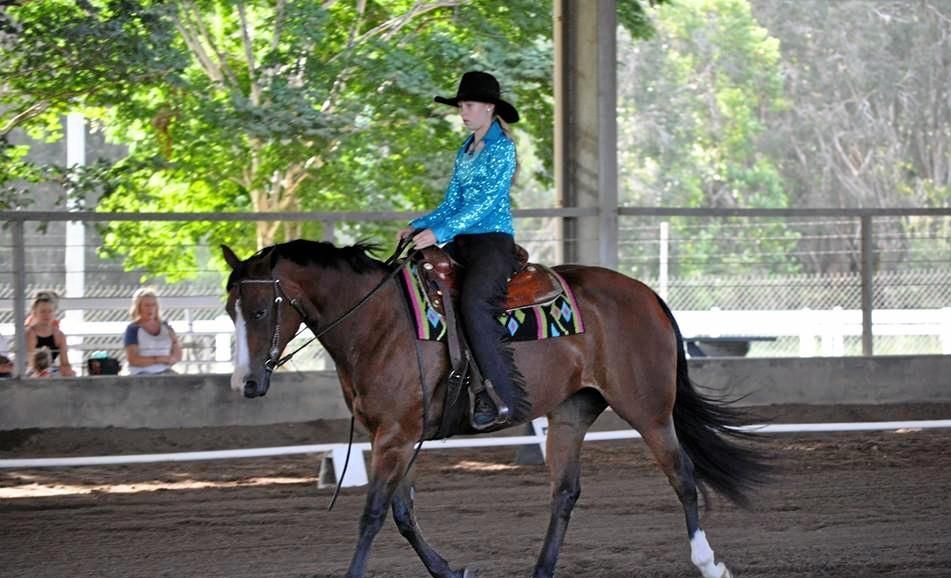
(362, 328)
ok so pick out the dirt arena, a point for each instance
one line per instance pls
(849, 505)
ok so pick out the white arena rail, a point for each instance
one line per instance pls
(356, 474)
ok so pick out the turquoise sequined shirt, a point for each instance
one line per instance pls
(477, 199)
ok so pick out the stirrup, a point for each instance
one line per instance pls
(502, 412)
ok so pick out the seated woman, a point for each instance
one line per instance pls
(150, 344)
(42, 330)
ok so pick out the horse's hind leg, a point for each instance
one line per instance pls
(404, 514)
(663, 443)
(567, 425)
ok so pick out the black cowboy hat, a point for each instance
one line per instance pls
(481, 87)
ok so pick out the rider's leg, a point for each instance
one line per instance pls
(490, 262)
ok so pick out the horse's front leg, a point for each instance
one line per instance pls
(404, 514)
(388, 464)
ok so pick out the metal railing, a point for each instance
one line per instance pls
(716, 265)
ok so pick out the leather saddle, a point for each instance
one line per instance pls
(533, 284)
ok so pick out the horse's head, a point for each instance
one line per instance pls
(264, 321)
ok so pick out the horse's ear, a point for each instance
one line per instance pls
(230, 258)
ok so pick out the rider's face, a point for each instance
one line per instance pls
(476, 115)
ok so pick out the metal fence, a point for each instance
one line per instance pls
(788, 282)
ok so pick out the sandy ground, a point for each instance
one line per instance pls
(849, 505)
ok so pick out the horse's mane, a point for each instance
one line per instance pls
(357, 257)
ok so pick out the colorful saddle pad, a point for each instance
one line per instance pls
(558, 317)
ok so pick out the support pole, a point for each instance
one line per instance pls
(868, 280)
(607, 133)
(19, 296)
(586, 126)
(75, 235)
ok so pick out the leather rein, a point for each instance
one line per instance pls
(274, 359)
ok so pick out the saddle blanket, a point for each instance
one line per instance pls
(558, 317)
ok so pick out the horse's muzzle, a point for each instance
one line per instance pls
(254, 388)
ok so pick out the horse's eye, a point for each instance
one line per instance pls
(259, 314)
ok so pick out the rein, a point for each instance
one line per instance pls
(394, 261)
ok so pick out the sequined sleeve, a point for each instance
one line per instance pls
(491, 185)
(448, 206)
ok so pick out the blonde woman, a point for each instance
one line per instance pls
(42, 330)
(151, 345)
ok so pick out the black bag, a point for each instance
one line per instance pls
(103, 366)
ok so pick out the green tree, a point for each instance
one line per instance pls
(269, 105)
(693, 106)
(871, 125)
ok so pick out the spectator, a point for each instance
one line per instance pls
(40, 363)
(6, 366)
(42, 330)
(150, 344)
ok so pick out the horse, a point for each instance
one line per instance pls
(630, 357)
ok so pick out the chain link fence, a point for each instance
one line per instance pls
(788, 285)
(792, 271)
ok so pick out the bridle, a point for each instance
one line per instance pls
(274, 359)
(396, 264)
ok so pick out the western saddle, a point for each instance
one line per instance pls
(532, 284)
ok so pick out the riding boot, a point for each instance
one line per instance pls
(487, 408)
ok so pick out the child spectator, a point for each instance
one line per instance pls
(6, 366)
(40, 363)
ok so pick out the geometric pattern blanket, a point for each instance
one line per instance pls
(558, 317)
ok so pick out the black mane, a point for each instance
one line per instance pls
(323, 254)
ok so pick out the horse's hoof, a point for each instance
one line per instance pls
(720, 570)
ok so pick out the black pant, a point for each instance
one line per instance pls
(489, 262)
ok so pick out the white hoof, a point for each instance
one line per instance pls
(703, 558)
(716, 571)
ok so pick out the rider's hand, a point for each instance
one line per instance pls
(425, 238)
(404, 233)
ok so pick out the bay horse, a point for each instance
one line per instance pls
(630, 357)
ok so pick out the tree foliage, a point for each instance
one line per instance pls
(871, 125)
(798, 103)
(270, 105)
(694, 103)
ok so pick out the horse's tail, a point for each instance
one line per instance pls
(706, 427)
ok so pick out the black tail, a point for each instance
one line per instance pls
(721, 455)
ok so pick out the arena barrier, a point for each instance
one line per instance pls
(185, 401)
(356, 474)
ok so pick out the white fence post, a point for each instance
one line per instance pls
(663, 273)
(807, 334)
(946, 331)
(833, 333)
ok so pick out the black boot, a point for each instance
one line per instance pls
(488, 409)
